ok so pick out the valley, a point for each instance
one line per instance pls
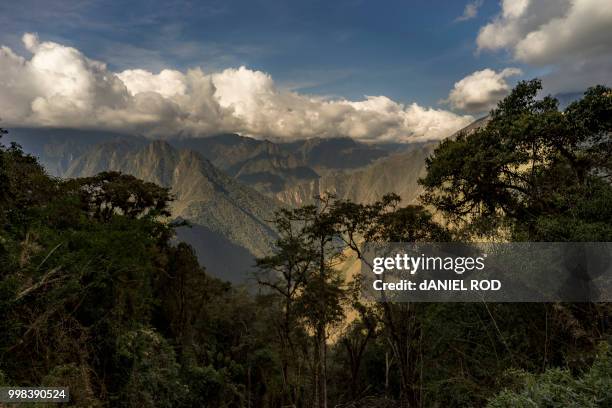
(227, 187)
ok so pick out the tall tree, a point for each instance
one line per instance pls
(384, 221)
(537, 172)
(287, 273)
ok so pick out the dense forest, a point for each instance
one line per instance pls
(97, 295)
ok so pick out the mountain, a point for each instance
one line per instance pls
(274, 167)
(56, 148)
(395, 169)
(334, 153)
(228, 186)
(397, 173)
(291, 172)
(472, 127)
(214, 179)
(263, 165)
(268, 167)
(229, 218)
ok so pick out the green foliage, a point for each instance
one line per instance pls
(94, 295)
(538, 172)
(557, 387)
(532, 173)
(108, 193)
(301, 274)
(206, 386)
(151, 370)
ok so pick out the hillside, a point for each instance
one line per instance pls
(397, 173)
(264, 165)
(228, 186)
(272, 168)
(225, 213)
(392, 170)
(57, 148)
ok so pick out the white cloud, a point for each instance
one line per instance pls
(517, 19)
(514, 8)
(167, 83)
(470, 11)
(59, 86)
(585, 30)
(561, 34)
(481, 90)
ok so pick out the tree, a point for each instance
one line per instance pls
(357, 337)
(383, 221)
(110, 193)
(303, 271)
(321, 301)
(535, 171)
(286, 273)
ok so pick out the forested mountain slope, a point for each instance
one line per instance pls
(223, 211)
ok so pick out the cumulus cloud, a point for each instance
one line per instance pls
(59, 86)
(481, 90)
(562, 34)
(470, 11)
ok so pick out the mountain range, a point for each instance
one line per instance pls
(228, 186)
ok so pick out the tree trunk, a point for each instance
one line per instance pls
(322, 345)
(320, 367)
(387, 369)
(402, 328)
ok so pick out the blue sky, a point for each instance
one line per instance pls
(371, 70)
(406, 50)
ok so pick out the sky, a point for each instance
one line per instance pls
(372, 70)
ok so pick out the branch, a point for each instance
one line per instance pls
(45, 279)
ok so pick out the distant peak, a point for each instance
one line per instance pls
(160, 145)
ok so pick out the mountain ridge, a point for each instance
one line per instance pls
(226, 210)
(228, 186)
